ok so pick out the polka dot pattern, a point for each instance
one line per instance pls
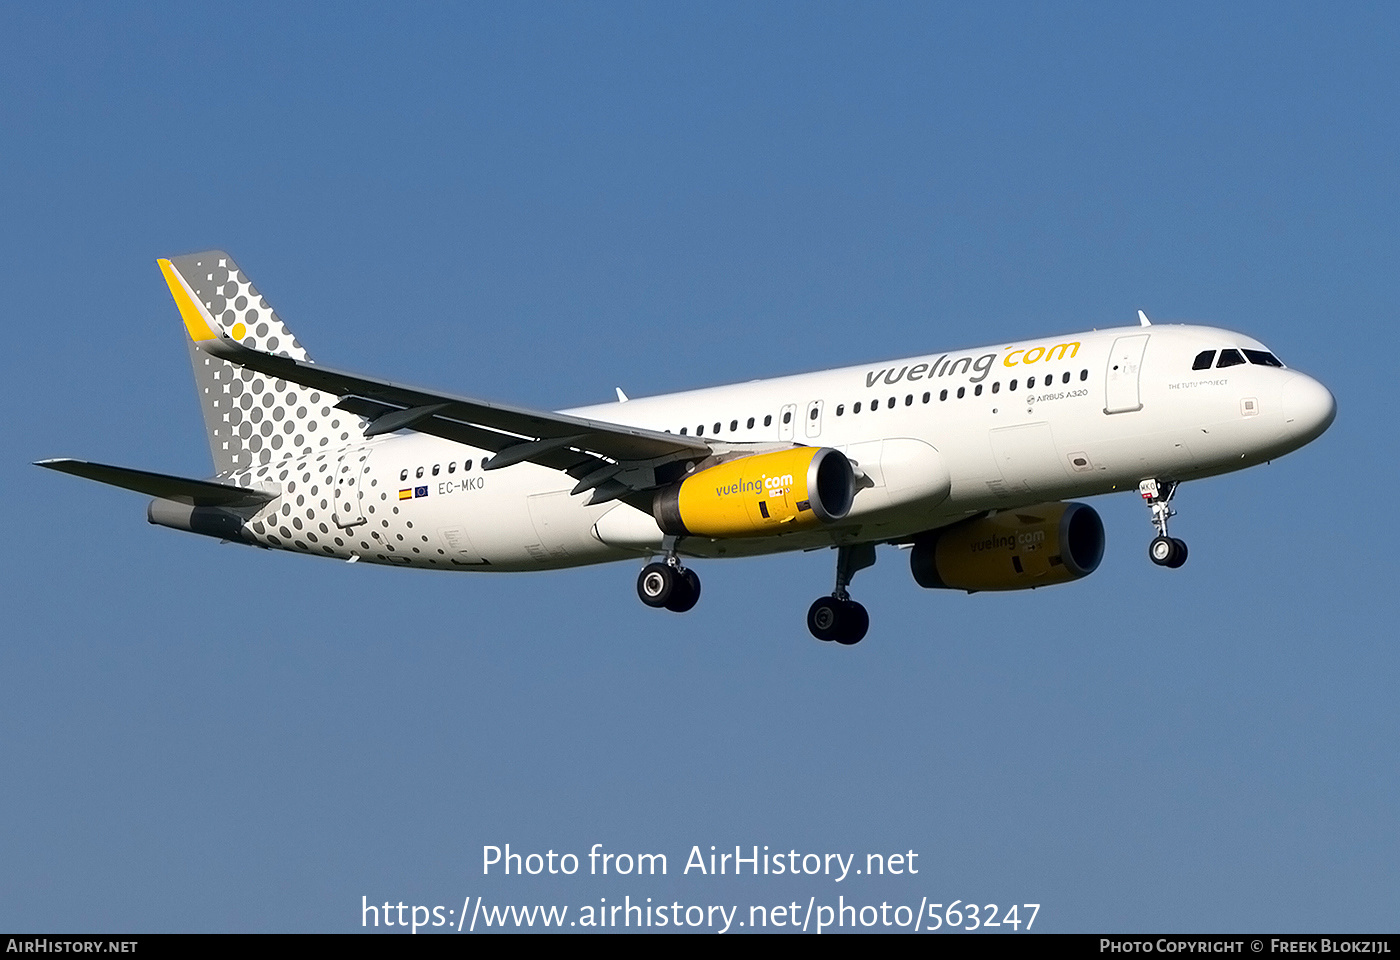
(256, 423)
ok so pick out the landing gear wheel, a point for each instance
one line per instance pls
(1167, 551)
(854, 623)
(1180, 557)
(824, 618)
(1161, 550)
(657, 584)
(686, 593)
(844, 621)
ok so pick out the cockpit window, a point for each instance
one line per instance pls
(1203, 360)
(1230, 358)
(1262, 358)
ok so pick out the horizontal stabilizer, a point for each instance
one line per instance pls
(199, 493)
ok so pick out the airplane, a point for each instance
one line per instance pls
(966, 458)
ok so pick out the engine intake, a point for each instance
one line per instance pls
(1012, 550)
(759, 495)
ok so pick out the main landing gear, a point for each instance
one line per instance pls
(838, 617)
(1164, 551)
(668, 584)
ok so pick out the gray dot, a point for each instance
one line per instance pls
(301, 411)
(236, 388)
(296, 522)
(241, 303)
(269, 399)
(289, 426)
(217, 305)
(229, 316)
(278, 413)
(250, 317)
(235, 416)
(255, 444)
(245, 401)
(272, 343)
(259, 386)
(266, 428)
(300, 440)
(256, 415)
(261, 330)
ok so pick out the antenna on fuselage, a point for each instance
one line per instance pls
(1142, 319)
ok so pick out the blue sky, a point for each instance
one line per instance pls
(535, 203)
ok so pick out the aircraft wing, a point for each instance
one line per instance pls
(198, 493)
(610, 458)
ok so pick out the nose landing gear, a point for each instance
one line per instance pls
(838, 617)
(1165, 551)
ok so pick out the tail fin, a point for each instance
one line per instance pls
(251, 419)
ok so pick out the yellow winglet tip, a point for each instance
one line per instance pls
(196, 320)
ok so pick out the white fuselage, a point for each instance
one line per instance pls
(938, 437)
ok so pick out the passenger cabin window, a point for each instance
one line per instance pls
(404, 475)
(733, 425)
(466, 466)
(452, 467)
(768, 420)
(840, 409)
(436, 469)
(1083, 374)
(1203, 360)
(1230, 358)
(874, 404)
(684, 431)
(962, 392)
(419, 473)
(1262, 358)
(856, 407)
(750, 423)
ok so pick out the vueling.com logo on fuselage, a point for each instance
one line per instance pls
(975, 369)
(771, 487)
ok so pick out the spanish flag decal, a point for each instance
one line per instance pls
(406, 494)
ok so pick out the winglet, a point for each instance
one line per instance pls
(1142, 319)
(621, 397)
(197, 320)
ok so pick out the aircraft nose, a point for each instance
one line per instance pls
(1308, 407)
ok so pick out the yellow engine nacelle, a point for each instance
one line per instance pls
(759, 495)
(1012, 550)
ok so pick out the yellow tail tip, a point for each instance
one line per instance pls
(197, 321)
